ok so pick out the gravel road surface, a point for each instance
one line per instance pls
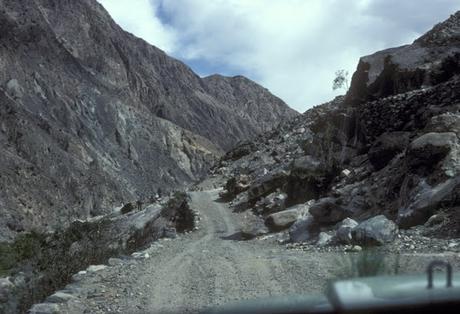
(205, 268)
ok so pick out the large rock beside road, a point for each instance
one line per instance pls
(430, 148)
(344, 229)
(377, 230)
(272, 203)
(447, 122)
(304, 229)
(427, 200)
(324, 239)
(284, 219)
(386, 147)
(327, 210)
(45, 308)
(266, 185)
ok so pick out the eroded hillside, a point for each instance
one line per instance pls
(91, 116)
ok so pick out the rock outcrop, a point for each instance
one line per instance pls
(384, 157)
(91, 116)
(431, 59)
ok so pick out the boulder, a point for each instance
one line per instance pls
(344, 229)
(240, 202)
(170, 232)
(14, 89)
(95, 268)
(236, 185)
(434, 220)
(447, 122)
(272, 203)
(304, 229)
(430, 148)
(59, 297)
(253, 226)
(354, 248)
(266, 185)
(283, 219)
(386, 147)
(6, 288)
(44, 308)
(306, 166)
(327, 210)
(324, 239)
(427, 200)
(377, 230)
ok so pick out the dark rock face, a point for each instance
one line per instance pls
(430, 60)
(91, 116)
(386, 147)
(328, 210)
(430, 148)
(392, 150)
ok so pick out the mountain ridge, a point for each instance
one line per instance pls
(101, 115)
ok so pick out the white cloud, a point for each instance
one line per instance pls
(292, 47)
(140, 18)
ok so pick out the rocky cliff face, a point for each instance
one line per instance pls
(91, 116)
(354, 170)
(428, 61)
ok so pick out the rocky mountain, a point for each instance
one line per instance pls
(91, 116)
(355, 170)
(429, 60)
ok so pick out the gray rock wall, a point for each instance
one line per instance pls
(91, 116)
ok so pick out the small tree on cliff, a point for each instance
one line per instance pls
(341, 80)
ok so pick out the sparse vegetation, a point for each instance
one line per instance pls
(340, 80)
(177, 210)
(26, 246)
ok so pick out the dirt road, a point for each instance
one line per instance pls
(210, 270)
(203, 269)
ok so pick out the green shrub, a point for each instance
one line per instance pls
(26, 246)
(8, 258)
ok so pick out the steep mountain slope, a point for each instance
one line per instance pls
(91, 116)
(390, 147)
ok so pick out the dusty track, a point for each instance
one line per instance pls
(207, 270)
(203, 269)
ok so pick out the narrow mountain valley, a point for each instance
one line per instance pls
(92, 117)
(131, 185)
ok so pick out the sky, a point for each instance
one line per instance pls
(291, 47)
